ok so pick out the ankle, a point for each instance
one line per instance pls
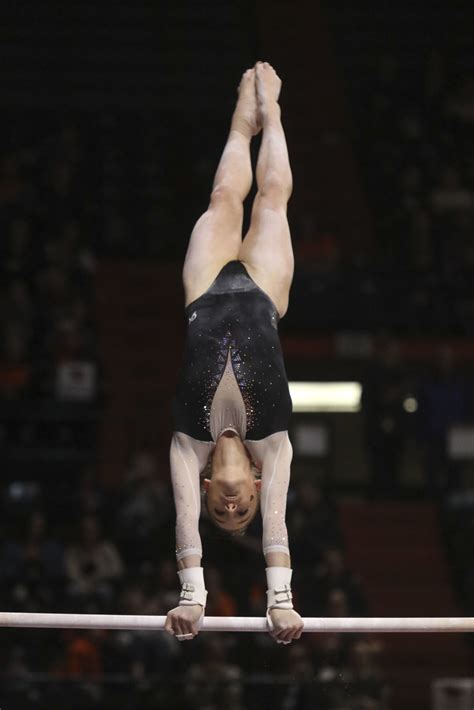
(241, 126)
(270, 114)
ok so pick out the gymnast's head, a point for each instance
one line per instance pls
(232, 489)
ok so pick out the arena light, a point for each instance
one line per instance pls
(239, 623)
(326, 396)
(410, 405)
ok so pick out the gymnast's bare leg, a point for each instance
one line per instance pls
(266, 250)
(217, 236)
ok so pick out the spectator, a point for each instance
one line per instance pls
(435, 80)
(333, 576)
(141, 653)
(382, 409)
(363, 673)
(36, 562)
(93, 499)
(15, 367)
(61, 194)
(330, 655)
(337, 603)
(220, 603)
(311, 522)
(17, 257)
(93, 564)
(364, 660)
(17, 307)
(17, 671)
(77, 257)
(12, 187)
(17, 678)
(298, 694)
(461, 103)
(144, 508)
(444, 402)
(451, 195)
(82, 655)
(214, 683)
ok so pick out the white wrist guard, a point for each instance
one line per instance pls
(279, 594)
(192, 587)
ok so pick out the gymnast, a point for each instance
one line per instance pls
(232, 406)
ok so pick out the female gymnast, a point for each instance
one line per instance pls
(233, 406)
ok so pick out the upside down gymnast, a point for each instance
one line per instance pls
(232, 406)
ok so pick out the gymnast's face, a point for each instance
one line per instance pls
(232, 496)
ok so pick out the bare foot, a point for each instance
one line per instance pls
(245, 118)
(268, 85)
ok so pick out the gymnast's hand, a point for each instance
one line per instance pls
(183, 621)
(287, 625)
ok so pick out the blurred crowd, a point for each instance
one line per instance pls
(414, 136)
(71, 546)
(80, 548)
(419, 407)
(47, 264)
(418, 137)
(114, 554)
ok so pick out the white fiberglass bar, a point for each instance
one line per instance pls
(239, 623)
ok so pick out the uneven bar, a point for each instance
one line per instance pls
(240, 623)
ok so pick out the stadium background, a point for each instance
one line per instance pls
(112, 120)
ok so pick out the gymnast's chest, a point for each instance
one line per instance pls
(227, 408)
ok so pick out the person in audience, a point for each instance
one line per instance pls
(144, 509)
(221, 603)
(17, 307)
(332, 575)
(444, 402)
(93, 564)
(461, 103)
(35, 561)
(17, 254)
(15, 364)
(213, 682)
(383, 393)
(451, 195)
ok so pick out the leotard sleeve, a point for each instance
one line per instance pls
(188, 457)
(275, 454)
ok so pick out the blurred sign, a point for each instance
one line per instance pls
(461, 443)
(310, 439)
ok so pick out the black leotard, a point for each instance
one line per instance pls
(237, 315)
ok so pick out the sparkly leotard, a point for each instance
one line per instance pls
(233, 377)
(232, 330)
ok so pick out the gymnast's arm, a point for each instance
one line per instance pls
(187, 458)
(275, 452)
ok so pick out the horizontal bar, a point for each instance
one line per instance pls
(239, 623)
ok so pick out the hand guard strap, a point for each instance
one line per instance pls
(279, 594)
(192, 587)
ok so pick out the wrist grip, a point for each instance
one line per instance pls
(192, 587)
(279, 594)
